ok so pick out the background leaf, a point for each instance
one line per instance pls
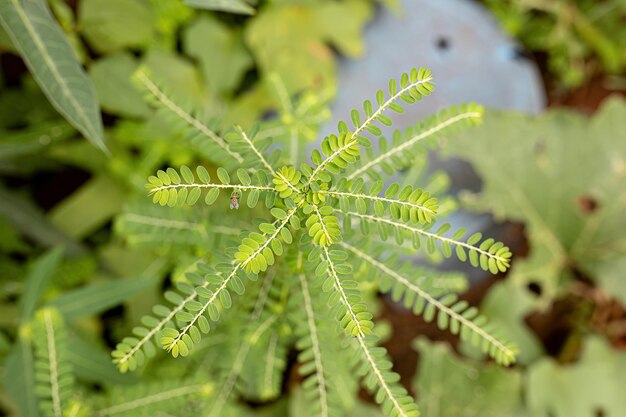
(117, 94)
(98, 297)
(449, 386)
(53, 64)
(28, 218)
(231, 6)
(110, 25)
(37, 281)
(302, 58)
(19, 378)
(506, 304)
(591, 386)
(210, 41)
(564, 176)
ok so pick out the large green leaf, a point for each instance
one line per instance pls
(52, 62)
(210, 41)
(593, 386)
(292, 39)
(506, 304)
(564, 176)
(448, 386)
(110, 25)
(112, 78)
(178, 74)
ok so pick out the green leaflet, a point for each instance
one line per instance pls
(56, 70)
(169, 188)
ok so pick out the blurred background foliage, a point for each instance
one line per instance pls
(72, 235)
(576, 40)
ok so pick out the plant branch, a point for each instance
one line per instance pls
(430, 299)
(188, 118)
(413, 140)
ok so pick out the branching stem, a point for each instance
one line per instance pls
(226, 186)
(430, 299)
(178, 111)
(367, 122)
(377, 198)
(261, 158)
(428, 234)
(413, 140)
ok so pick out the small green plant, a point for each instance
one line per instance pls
(302, 278)
(580, 38)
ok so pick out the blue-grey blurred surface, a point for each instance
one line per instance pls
(471, 59)
(470, 56)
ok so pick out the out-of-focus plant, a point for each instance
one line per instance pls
(581, 38)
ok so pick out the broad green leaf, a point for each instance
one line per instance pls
(37, 281)
(98, 297)
(507, 304)
(177, 73)
(230, 6)
(53, 64)
(563, 175)
(594, 385)
(110, 25)
(292, 40)
(117, 94)
(64, 14)
(210, 41)
(5, 41)
(449, 386)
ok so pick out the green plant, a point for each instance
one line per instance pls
(305, 274)
(581, 38)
